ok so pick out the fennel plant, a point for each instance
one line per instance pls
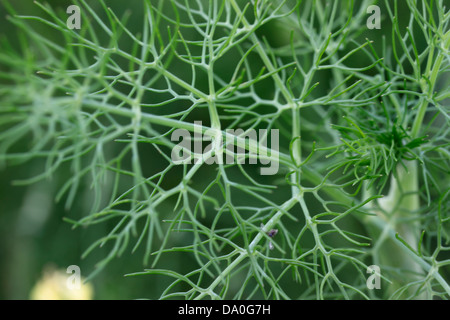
(362, 114)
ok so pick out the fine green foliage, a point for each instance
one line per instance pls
(363, 119)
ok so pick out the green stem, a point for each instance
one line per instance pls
(428, 88)
(394, 215)
(286, 94)
(244, 254)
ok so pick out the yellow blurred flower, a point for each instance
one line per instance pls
(54, 285)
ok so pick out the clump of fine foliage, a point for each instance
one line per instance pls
(363, 118)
